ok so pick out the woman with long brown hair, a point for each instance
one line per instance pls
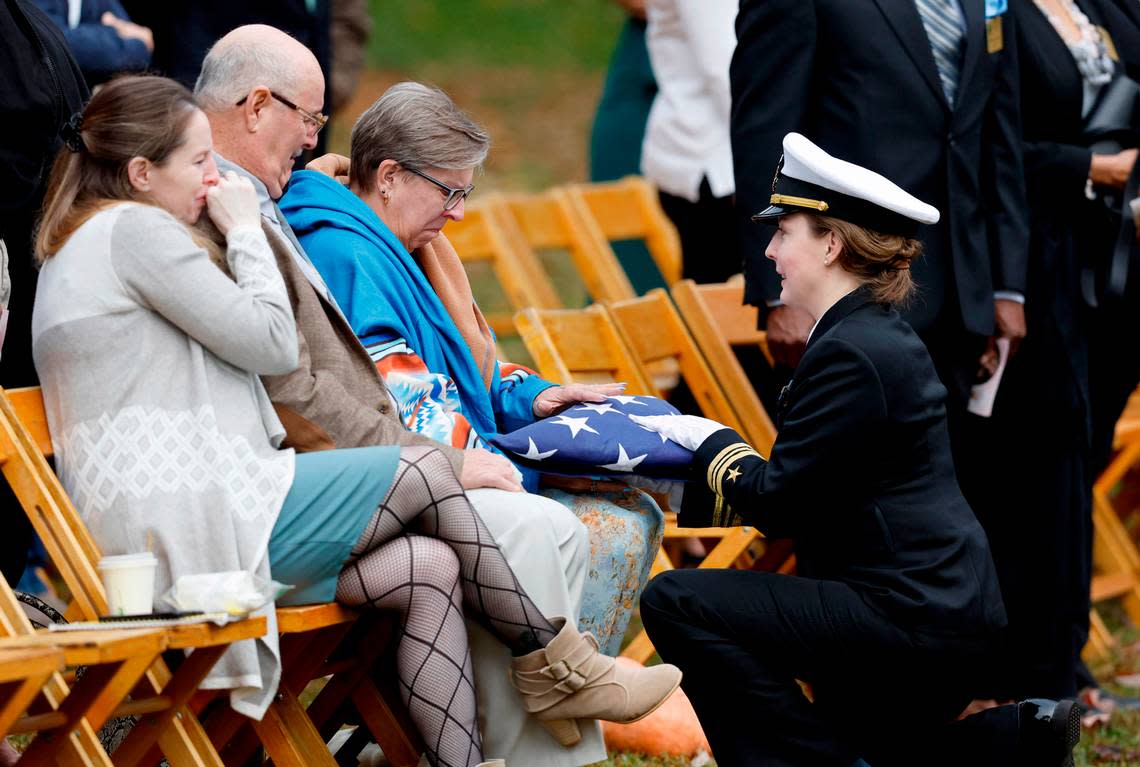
(149, 352)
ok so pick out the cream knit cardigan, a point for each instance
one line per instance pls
(149, 357)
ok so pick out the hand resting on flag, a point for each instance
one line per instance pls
(556, 398)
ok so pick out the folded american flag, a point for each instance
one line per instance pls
(598, 439)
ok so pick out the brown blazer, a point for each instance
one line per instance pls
(335, 397)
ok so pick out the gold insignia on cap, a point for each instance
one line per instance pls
(799, 202)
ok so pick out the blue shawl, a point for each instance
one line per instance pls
(380, 287)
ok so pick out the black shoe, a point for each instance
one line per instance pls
(1047, 731)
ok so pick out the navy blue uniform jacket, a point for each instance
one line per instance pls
(861, 478)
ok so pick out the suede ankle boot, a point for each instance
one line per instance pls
(569, 679)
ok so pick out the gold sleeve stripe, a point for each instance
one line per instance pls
(723, 515)
(723, 461)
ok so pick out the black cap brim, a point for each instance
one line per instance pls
(773, 212)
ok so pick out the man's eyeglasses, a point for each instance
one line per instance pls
(316, 120)
(454, 193)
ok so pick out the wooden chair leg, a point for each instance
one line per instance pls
(730, 547)
(387, 726)
(16, 696)
(152, 727)
(82, 748)
(1101, 642)
(366, 647)
(92, 699)
(301, 656)
(289, 735)
(661, 563)
(640, 649)
(381, 711)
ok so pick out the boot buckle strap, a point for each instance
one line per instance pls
(569, 679)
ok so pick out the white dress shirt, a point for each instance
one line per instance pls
(686, 139)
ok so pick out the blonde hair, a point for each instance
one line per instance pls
(879, 260)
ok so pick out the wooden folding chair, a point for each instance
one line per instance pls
(585, 346)
(24, 672)
(719, 321)
(553, 221)
(655, 333)
(629, 209)
(323, 641)
(162, 697)
(310, 635)
(67, 717)
(488, 235)
(1116, 561)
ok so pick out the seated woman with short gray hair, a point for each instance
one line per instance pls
(378, 246)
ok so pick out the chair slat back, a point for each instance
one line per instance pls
(580, 346)
(25, 444)
(655, 333)
(629, 209)
(488, 234)
(718, 321)
(553, 221)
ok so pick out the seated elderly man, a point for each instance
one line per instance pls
(262, 92)
(378, 243)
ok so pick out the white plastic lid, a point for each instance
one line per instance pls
(127, 560)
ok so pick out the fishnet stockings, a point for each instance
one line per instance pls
(426, 553)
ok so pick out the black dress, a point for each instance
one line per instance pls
(896, 597)
(1038, 517)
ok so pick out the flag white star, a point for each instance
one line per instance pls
(625, 399)
(533, 454)
(601, 408)
(624, 462)
(575, 425)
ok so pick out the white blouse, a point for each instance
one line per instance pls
(687, 137)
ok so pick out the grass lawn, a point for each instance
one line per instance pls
(530, 70)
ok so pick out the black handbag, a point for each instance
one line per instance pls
(1112, 126)
(1113, 123)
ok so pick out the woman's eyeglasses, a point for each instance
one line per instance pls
(314, 120)
(454, 193)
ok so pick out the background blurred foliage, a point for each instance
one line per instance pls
(542, 35)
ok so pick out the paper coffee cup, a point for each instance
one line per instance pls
(129, 582)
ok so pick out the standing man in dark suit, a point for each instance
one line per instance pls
(924, 92)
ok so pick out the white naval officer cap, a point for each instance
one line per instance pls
(809, 179)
